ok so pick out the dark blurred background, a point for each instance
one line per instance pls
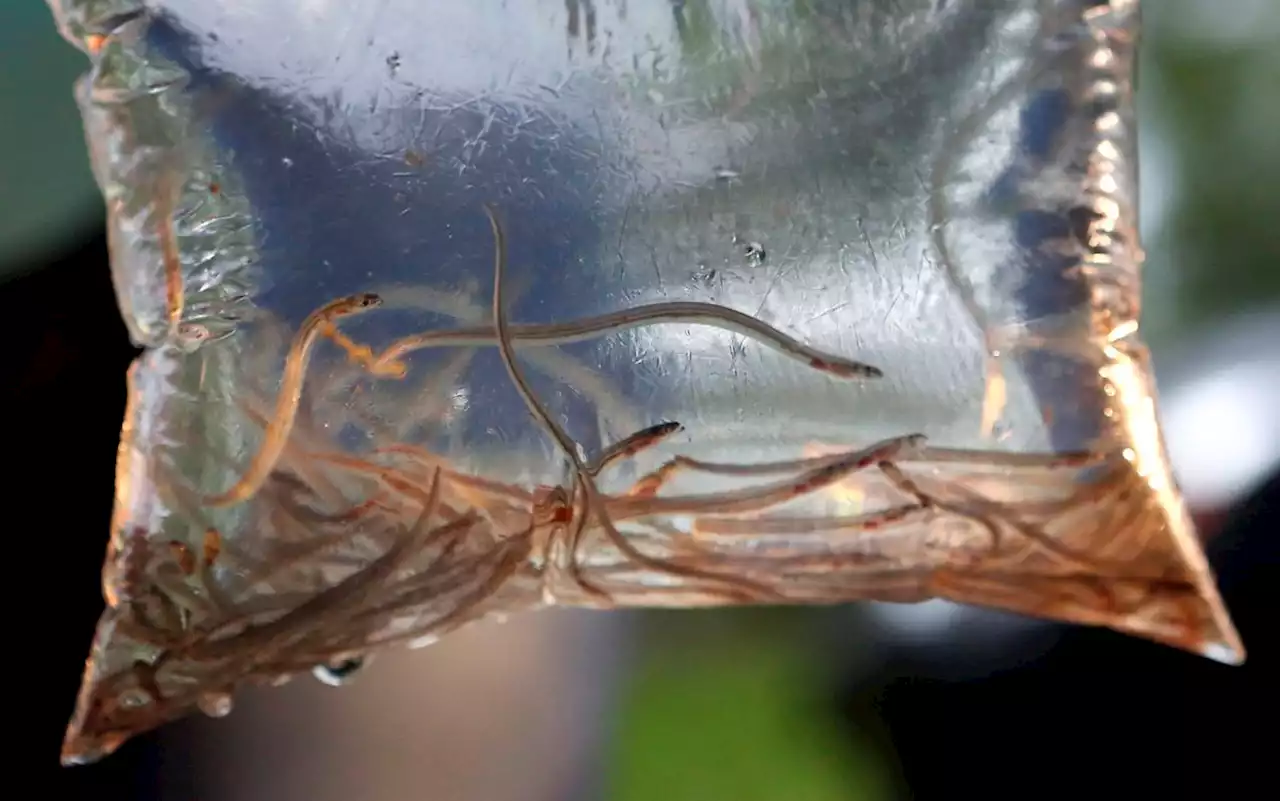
(864, 703)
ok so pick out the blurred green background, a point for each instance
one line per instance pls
(1210, 106)
(744, 689)
(734, 705)
(47, 194)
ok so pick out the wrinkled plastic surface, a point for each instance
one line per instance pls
(942, 191)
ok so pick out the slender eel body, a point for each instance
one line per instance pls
(734, 587)
(286, 410)
(680, 313)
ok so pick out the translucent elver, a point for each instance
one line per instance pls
(461, 308)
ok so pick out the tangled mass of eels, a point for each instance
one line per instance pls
(339, 555)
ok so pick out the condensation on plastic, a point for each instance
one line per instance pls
(943, 190)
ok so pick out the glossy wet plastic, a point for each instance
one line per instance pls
(455, 309)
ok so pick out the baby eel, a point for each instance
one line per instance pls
(678, 312)
(170, 256)
(632, 445)
(345, 596)
(290, 394)
(740, 588)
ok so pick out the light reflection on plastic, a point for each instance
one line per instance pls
(851, 498)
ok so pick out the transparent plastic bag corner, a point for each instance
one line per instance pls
(795, 304)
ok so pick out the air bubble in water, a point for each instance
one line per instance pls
(215, 705)
(338, 673)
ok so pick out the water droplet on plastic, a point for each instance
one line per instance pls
(424, 641)
(215, 705)
(336, 674)
(135, 698)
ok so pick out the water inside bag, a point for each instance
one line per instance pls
(797, 302)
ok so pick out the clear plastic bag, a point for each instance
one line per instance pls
(456, 309)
